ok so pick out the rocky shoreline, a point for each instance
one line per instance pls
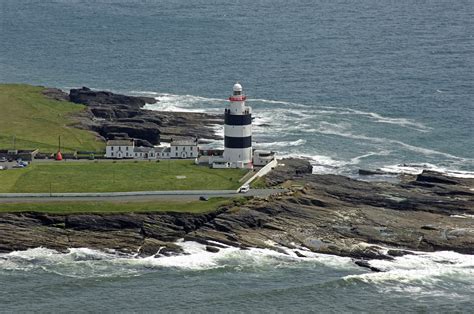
(321, 213)
(115, 116)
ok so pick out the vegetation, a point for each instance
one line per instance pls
(37, 121)
(259, 183)
(108, 176)
(118, 207)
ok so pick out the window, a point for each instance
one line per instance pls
(191, 154)
(112, 154)
(183, 148)
(176, 154)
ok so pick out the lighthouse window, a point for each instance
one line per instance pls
(237, 93)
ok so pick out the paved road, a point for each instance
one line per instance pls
(130, 196)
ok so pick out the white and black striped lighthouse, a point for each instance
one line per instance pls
(238, 130)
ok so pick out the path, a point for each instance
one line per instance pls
(130, 196)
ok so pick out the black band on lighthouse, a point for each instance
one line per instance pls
(235, 119)
(237, 142)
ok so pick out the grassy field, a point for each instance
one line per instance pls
(106, 176)
(36, 122)
(117, 207)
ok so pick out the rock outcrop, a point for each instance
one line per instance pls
(89, 97)
(109, 114)
(326, 214)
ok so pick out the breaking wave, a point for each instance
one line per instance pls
(298, 142)
(88, 263)
(420, 272)
(412, 168)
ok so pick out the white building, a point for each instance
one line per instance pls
(180, 149)
(262, 157)
(120, 149)
(145, 152)
(184, 149)
(238, 131)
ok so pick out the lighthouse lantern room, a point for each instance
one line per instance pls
(238, 130)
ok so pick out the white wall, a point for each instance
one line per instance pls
(119, 152)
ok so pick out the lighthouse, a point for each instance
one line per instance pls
(238, 130)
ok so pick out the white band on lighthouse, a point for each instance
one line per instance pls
(238, 130)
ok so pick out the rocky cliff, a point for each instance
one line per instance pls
(322, 213)
(115, 116)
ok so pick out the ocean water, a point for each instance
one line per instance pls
(349, 85)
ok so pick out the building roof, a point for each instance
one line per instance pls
(184, 143)
(120, 143)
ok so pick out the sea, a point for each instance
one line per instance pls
(348, 85)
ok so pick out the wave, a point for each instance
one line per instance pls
(185, 103)
(297, 142)
(88, 263)
(338, 130)
(420, 271)
(416, 169)
(398, 121)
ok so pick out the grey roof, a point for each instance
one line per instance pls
(184, 143)
(142, 149)
(120, 143)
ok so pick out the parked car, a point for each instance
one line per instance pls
(244, 188)
(3, 159)
(203, 198)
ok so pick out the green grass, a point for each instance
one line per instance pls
(118, 207)
(36, 122)
(258, 183)
(107, 176)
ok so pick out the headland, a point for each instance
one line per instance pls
(319, 213)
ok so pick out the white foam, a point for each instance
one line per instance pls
(425, 269)
(87, 263)
(398, 121)
(339, 130)
(297, 142)
(357, 159)
(186, 103)
(415, 169)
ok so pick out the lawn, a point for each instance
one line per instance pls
(118, 207)
(36, 122)
(107, 176)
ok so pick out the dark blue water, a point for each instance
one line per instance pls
(366, 84)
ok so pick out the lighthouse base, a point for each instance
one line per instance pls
(221, 163)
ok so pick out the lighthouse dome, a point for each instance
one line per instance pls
(237, 87)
